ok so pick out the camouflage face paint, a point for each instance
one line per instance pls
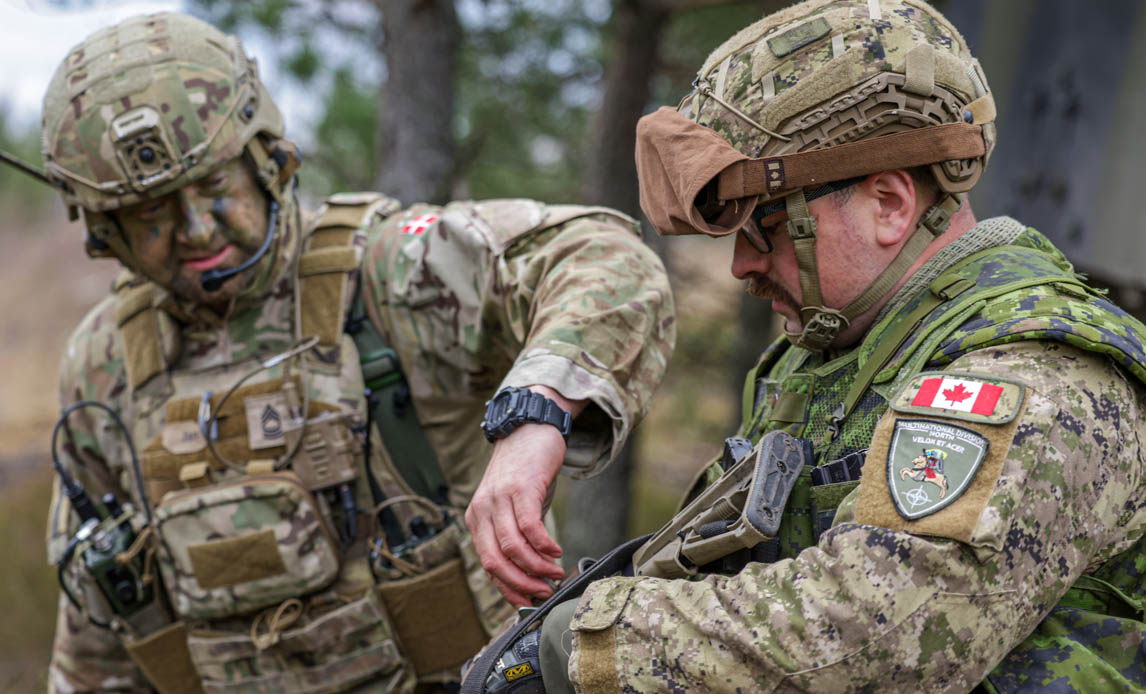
(216, 222)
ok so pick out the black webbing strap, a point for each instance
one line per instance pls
(845, 469)
(607, 565)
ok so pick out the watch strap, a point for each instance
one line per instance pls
(525, 406)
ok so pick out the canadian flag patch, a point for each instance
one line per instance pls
(961, 396)
(418, 225)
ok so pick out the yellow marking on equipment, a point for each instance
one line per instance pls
(518, 671)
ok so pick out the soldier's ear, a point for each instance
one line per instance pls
(894, 194)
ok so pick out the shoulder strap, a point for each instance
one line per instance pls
(140, 324)
(333, 251)
(942, 289)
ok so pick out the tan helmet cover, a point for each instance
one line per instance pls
(149, 105)
(152, 104)
(798, 98)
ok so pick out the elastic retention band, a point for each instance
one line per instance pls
(706, 90)
(903, 150)
(810, 194)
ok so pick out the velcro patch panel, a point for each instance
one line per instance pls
(965, 396)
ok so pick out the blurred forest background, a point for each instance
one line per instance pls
(445, 99)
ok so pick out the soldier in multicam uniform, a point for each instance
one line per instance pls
(305, 389)
(836, 139)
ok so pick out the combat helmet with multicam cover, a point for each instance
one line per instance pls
(814, 95)
(145, 107)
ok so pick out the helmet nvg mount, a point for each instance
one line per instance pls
(145, 107)
(824, 91)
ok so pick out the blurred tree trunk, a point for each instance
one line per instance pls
(597, 515)
(611, 177)
(416, 141)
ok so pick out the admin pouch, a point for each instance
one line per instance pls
(231, 548)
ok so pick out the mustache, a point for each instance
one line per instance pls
(761, 287)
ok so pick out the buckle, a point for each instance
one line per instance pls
(821, 329)
(845, 469)
(802, 228)
(208, 424)
(936, 220)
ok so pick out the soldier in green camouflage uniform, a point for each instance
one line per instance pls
(244, 389)
(996, 403)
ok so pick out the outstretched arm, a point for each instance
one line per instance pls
(479, 296)
(505, 515)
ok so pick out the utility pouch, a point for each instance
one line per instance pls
(289, 649)
(426, 587)
(236, 546)
(831, 482)
(165, 661)
(326, 455)
(741, 510)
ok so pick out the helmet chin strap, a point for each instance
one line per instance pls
(821, 323)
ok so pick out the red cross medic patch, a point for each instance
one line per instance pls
(419, 225)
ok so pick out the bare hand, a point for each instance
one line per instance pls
(505, 515)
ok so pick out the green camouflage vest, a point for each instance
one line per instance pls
(1023, 291)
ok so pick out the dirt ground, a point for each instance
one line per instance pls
(46, 285)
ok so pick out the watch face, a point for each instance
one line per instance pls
(500, 407)
(497, 415)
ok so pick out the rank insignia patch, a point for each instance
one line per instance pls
(930, 464)
(969, 397)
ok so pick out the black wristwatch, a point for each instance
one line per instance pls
(512, 407)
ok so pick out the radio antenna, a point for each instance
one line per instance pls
(26, 168)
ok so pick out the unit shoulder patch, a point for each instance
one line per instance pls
(940, 473)
(930, 464)
(964, 396)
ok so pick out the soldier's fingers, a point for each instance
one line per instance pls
(487, 543)
(517, 581)
(515, 598)
(529, 522)
(513, 545)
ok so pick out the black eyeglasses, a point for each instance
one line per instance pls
(756, 238)
(757, 234)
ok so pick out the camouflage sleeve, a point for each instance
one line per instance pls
(86, 658)
(474, 296)
(880, 609)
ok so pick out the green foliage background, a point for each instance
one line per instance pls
(527, 89)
